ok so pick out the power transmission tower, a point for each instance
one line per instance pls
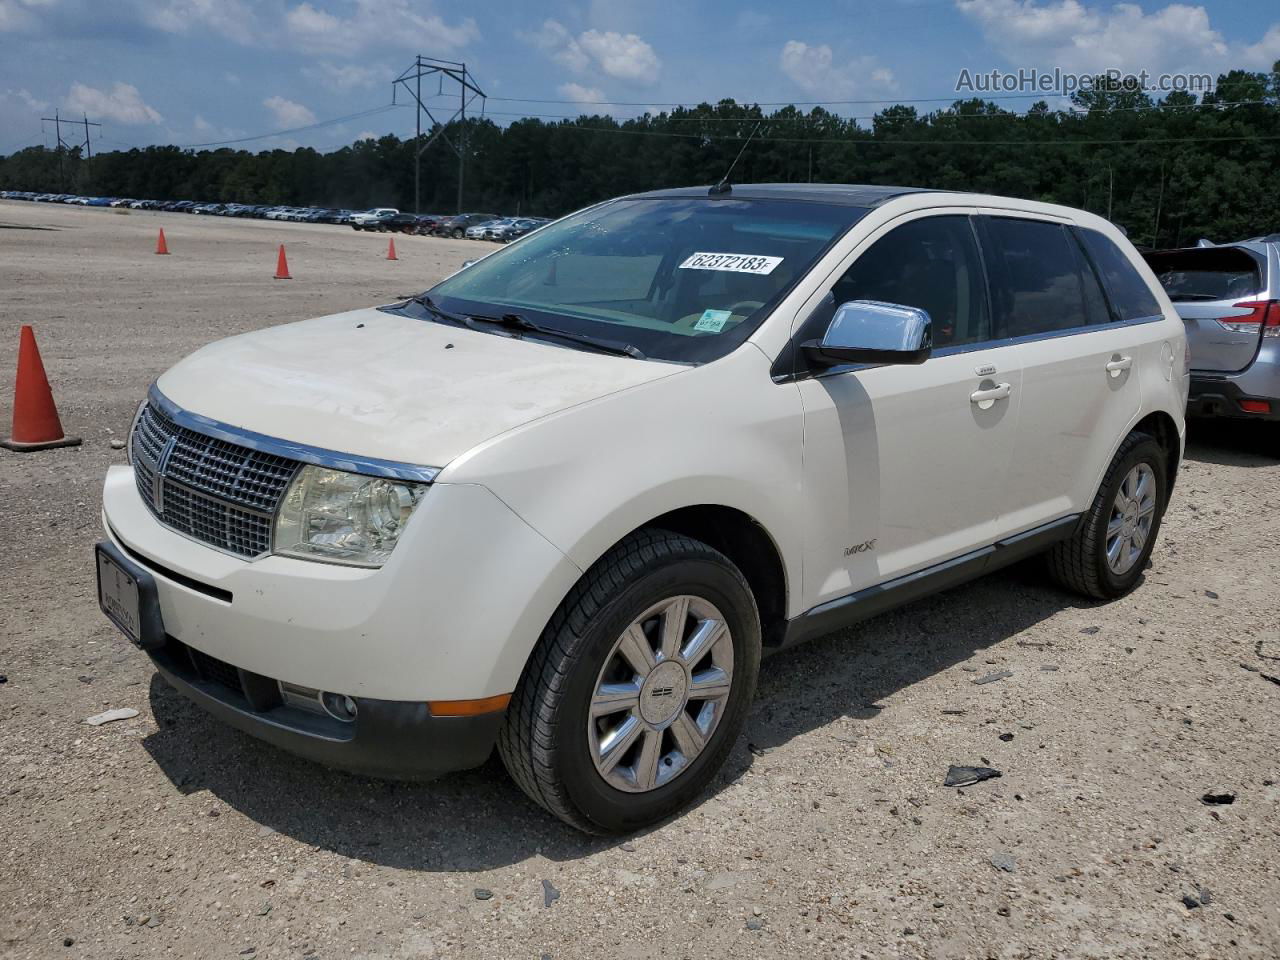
(411, 79)
(68, 146)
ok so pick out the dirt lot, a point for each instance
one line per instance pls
(830, 833)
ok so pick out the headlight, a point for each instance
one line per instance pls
(344, 517)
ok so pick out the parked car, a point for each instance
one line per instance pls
(481, 230)
(370, 218)
(389, 556)
(427, 223)
(388, 222)
(1229, 298)
(456, 227)
(514, 229)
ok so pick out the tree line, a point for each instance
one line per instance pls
(1170, 171)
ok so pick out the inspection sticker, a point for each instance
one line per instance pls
(731, 262)
(712, 321)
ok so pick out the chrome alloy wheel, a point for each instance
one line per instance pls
(1132, 513)
(660, 694)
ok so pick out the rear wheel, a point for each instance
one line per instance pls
(1106, 555)
(639, 686)
(457, 234)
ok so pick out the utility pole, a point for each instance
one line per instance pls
(68, 146)
(462, 135)
(1155, 230)
(468, 93)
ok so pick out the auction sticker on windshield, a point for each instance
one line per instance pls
(732, 262)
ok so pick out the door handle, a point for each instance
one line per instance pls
(1118, 365)
(985, 399)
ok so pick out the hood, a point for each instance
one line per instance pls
(375, 384)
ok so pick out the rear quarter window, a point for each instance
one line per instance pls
(1131, 298)
(1207, 273)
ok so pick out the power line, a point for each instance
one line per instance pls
(281, 133)
(935, 115)
(792, 103)
(871, 141)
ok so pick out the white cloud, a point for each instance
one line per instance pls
(287, 113)
(814, 69)
(121, 104)
(580, 94)
(1263, 54)
(1086, 39)
(366, 135)
(19, 14)
(25, 98)
(231, 18)
(349, 76)
(554, 39)
(377, 23)
(624, 56)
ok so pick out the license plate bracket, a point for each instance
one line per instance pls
(127, 595)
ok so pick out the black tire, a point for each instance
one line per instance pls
(457, 234)
(1080, 563)
(544, 739)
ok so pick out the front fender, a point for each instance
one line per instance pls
(721, 434)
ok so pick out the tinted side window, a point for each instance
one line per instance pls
(1129, 293)
(932, 264)
(1095, 301)
(1038, 278)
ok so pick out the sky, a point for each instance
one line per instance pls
(274, 73)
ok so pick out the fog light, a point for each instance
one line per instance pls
(339, 707)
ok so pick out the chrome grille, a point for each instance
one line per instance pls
(210, 489)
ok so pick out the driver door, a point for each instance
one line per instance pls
(903, 466)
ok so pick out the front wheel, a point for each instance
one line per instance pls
(457, 234)
(638, 687)
(1105, 556)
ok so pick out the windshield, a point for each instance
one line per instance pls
(684, 279)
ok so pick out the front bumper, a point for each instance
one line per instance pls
(390, 739)
(452, 616)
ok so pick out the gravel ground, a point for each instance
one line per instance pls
(830, 833)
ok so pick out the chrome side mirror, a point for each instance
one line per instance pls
(868, 331)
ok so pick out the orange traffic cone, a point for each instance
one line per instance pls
(391, 249)
(282, 266)
(35, 417)
(161, 246)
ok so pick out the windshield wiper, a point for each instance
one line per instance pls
(517, 321)
(438, 311)
(1185, 297)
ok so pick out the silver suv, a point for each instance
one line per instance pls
(1229, 298)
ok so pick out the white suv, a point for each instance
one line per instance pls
(563, 501)
(371, 218)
